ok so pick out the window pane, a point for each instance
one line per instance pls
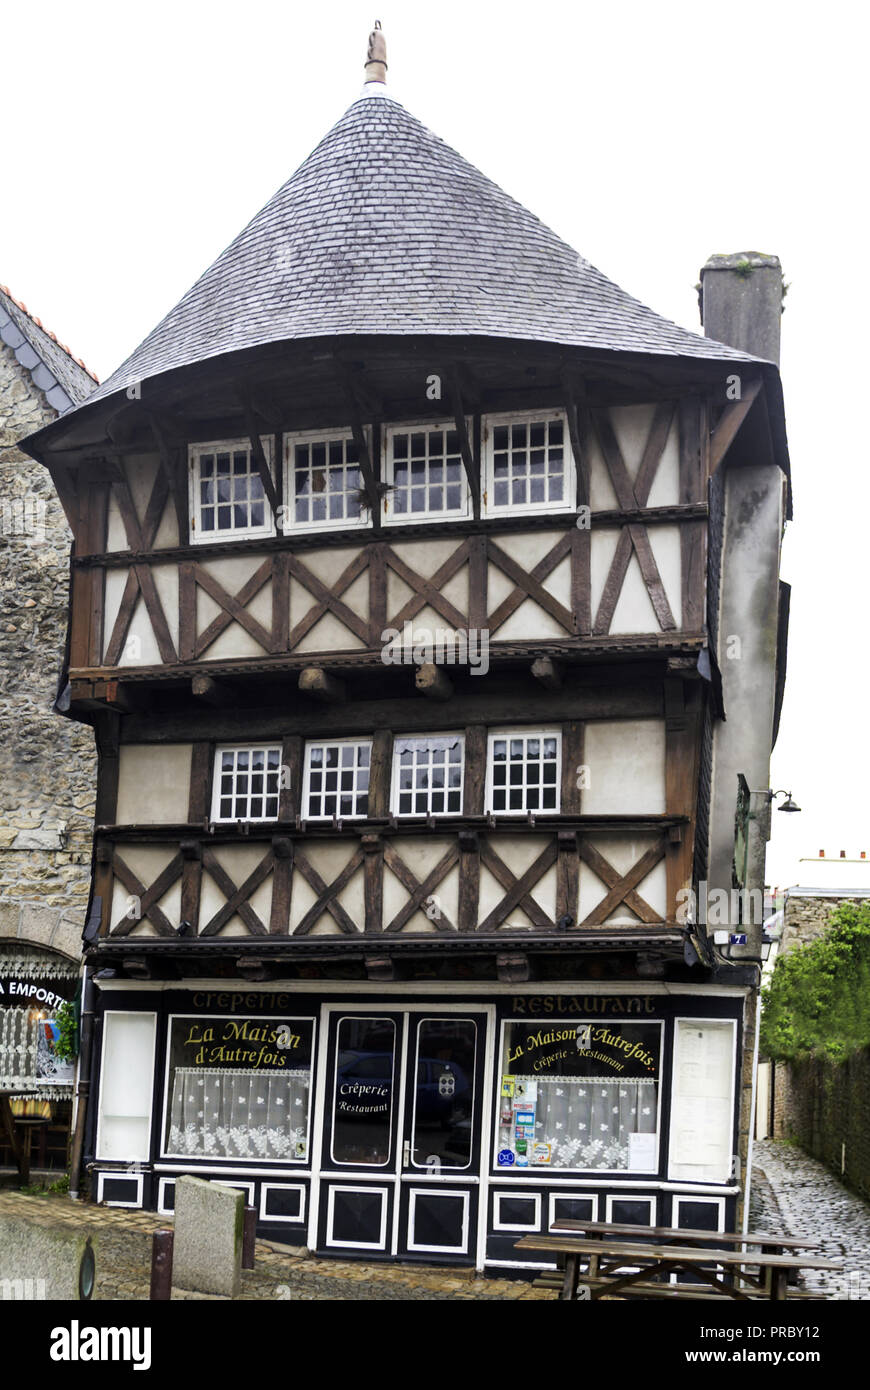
(239, 1088)
(580, 1095)
(363, 1091)
(444, 1093)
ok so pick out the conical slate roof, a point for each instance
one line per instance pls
(387, 230)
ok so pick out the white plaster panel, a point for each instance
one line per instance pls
(622, 851)
(328, 565)
(153, 783)
(147, 862)
(626, 761)
(329, 634)
(529, 622)
(425, 557)
(116, 536)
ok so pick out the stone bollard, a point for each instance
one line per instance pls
(38, 1263)
(207, 1251)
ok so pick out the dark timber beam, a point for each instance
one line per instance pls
(176, 477)
(352, 398)
(469, 463)
(261, 461)
(578, 431)
(548, 672)
(215, 693)
(433, 681)
(729, 423)
(320, 685)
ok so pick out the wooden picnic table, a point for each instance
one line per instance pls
(676, 1236)
(608, 1256)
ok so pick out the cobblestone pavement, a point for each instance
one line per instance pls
(794, 1194)
(281, 1272)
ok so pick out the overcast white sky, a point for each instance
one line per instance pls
(139, 139)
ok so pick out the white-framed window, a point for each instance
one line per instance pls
(126, 1085)
(247, 781)
(336, 779)
(428, 775)
(523, 772)
(528, 464)
(425, 475)
(227, 501)
(323, 484)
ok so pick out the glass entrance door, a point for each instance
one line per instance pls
(402, 1128)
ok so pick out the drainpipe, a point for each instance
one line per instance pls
(84, 1084)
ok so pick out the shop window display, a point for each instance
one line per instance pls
(580, 1096)
(239, 1088)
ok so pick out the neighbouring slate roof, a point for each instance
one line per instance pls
(387, 230)
(64, 379)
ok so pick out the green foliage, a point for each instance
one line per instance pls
(66, 1018)
(818, 1000)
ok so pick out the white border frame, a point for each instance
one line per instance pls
(299, 1187)
(357, 1244)
(499, 1197)
(100, 1157)
(202, 1162)
(525, 732)
(292, 527)
(413, 1194)
(138, 1178)
(701, 1022)
(394, 778)
(453, 1169)
(328, 742)
(244, 533)
(519, 417)
(162, 1184)
(246, 1187)
(221, 748)
(554, 1196)
(463, 513)
(717, 1202)
(372, 1169)
(599, 1177)
(651, 1201)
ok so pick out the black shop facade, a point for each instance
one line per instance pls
(421, 1120)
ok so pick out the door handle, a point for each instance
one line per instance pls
(406, 1154)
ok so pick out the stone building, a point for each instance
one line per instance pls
(47, 765)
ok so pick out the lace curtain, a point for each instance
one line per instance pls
(587, 1120)
(26, 1057)
(225, 1113)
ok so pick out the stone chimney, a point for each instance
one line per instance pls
(741, 302)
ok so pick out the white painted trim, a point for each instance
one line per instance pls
(120, 1175)
(524, 732)
(612, 1197)
(341, 435)
(487, 426)
(267, 1187)
(162, 1208)
(292, 1164)
(501, 1178)
(246, 1187)
(395, 771)
(462, 1249)
(306, 774)
(462, 513)
(356, 1244)
(338, 1164)
(699, 1022)
(717, 1202)
(499, 1197)
(140, 1157)
(205, 1169)
(553, 1197)
(753, 1100)
(242, 747)
(243, 533)
(517, 1264)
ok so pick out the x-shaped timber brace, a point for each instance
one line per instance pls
(375, 854)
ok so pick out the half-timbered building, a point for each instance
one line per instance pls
(400, 546)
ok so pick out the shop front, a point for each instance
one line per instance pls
(37, 1058)
(422, 1123)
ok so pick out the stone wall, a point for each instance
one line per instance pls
(47, 764)
(822, 1106)
(805, 918)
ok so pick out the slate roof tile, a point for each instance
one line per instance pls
(385, 229)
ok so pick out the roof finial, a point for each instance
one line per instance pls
(376, 62)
